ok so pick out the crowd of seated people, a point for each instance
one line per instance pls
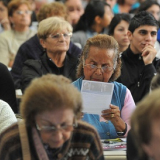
(110, 41)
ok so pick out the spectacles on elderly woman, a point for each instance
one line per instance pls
(19, 12)
(93, 67)
(54, 129)
(58, 35)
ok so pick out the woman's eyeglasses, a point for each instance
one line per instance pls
(54, 129)
(58, 35)
(19, 12)
(103, 68)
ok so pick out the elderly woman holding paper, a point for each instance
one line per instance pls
(100, 61)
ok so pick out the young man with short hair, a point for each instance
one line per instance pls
(139, 63)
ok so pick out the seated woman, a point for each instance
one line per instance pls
(19, 12)
(55, 39)
(7, 116)
(95, 20)
(145, 127)
(100, 61)
(51, 108)
(118, 28)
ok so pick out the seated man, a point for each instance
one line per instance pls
(138, 61)
(32, 48)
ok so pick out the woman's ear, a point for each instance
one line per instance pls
(129, 33)
(42, 42)
(98, 19)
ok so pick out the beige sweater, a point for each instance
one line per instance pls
(10, 42)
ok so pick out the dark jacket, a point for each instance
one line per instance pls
(7, 91)
(32, 49)
(37, 68)
(135, 75)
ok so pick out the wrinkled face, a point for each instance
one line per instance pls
(21, 16)
(100, 58)
(155, 11)
(153, 149)
(75, 10)
(3, 12)
(59, 119)
(53, 44)
(111, 2)
(120, 33)
(108, 15)
(141, 36)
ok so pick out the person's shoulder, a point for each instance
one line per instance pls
(30, 41)
(32, 32)
(119, 85)
(10, 133)
(10, 142)
(32, 65)
(4, 105)
(2, 66)
(6, 35)
(78, 34)
(32, 62)
(77, 83)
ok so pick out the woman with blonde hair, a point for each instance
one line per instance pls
(55, 40)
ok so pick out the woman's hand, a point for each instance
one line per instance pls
(113, 114)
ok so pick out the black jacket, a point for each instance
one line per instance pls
(135, 75)
(37, 68)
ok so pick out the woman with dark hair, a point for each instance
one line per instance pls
(125, 6)
(100, 61)
(151, 6)
(4, 21)
(96, 18)
(118, 28)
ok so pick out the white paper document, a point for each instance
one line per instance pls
(96, 96)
